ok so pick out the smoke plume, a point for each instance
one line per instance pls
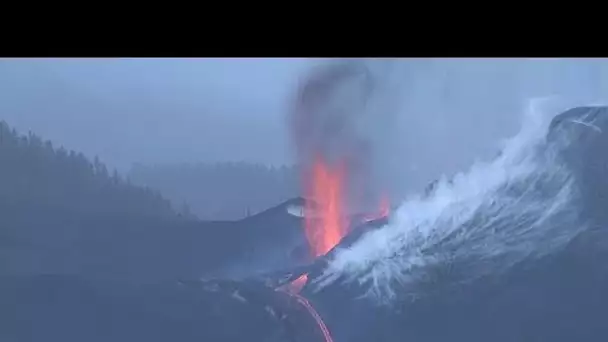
(342, 116)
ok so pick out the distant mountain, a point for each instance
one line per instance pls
(224, 191)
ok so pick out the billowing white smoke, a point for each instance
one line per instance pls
(483, 221)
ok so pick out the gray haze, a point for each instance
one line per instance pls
(189, 110)
(153, 110)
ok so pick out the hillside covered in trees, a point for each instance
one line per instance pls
(36, 176)
(61, 213)
(223, 191)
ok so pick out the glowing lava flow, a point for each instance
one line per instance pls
(293, 290)
(304, 302)
(297, 285)
(325, 224)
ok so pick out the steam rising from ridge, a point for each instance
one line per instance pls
(521, 205)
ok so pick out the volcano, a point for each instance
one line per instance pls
(524, 304)
(261, 306)
(276, 295)
(531, 296)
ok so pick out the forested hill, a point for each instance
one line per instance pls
(36, 176)
(61, 213)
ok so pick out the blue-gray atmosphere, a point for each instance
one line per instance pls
(305, 200)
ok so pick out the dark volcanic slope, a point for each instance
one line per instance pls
(144, 250)
(72, 309)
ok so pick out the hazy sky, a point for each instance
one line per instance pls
(154, 110)
(175, 110)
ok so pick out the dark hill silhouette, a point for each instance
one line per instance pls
(71, 309)
(62, 213)
(34, 173)
(150, 249)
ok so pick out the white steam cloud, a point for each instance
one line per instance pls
(521, 205)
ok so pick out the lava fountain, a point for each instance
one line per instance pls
(334, 156)
(325, 217)
(334, 150)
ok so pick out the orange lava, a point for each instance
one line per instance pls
(293, 290)
(297, 285)
(325, 222)
(304, 302)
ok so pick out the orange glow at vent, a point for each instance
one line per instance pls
(325, 220)
(297, 285)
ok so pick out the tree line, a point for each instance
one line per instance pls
(35, 174)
